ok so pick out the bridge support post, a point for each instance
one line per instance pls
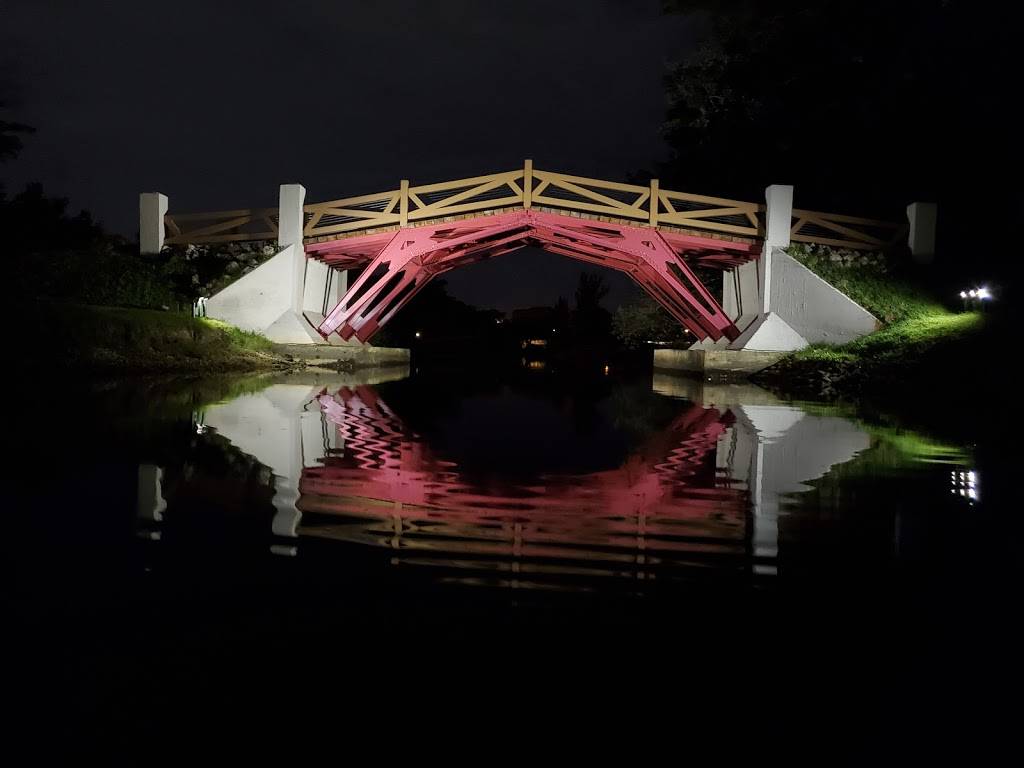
(152, 209)
(291, 219)
(922, 218)
(749, 291)
(317, 287)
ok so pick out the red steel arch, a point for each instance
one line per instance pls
(398, 264)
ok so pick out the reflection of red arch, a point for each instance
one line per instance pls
(663, 498)
(398, 265)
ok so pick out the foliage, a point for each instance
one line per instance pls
(902, 340)
(590, 320)
(436, 315)
(850, 102)
(642, 320)
(142, 340)
(70, 258)
(32, 222)
(10, 134)
(203, 270)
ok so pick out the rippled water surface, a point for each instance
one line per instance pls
(536, 482)
(178, 527)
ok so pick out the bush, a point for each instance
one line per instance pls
(643, 320)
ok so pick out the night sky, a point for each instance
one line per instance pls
(215, 105)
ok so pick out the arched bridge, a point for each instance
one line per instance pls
(404, 237)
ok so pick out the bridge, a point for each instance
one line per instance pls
(402, 238)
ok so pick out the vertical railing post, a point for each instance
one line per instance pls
(528, 184)
(403, 204)
(653, 203)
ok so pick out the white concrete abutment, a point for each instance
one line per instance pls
(286, 297)
(781, 306)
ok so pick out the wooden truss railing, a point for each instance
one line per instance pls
(526, 188)
(844, 231)
(221, 226)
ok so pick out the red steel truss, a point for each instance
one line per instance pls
(399, 264)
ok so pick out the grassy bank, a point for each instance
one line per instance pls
(922, 342)
(120, 339)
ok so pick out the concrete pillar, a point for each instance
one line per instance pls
(922, 218)
(324, 287)
(290, 223)
(747, 289)
(741, 293)
(778, 223)
(291, 219)
(778, 220)
(152, 209)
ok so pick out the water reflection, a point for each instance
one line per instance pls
(699, 495)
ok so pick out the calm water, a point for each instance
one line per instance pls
(292, 527)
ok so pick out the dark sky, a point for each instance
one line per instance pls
(215, 104)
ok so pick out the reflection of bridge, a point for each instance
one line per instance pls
(404, 237)
(658, 508)
(704, 491)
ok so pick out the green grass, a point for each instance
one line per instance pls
(115, 338)
(918, 338)
(904, 339)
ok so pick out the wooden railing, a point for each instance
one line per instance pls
(845, 231)
(527, 188)
(221, 226)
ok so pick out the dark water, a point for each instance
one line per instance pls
(193, 549)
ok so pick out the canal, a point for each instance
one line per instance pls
(426, 529)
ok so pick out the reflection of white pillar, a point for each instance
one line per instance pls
(774, 450)
(150, 503)
(283, 428)
(152, 209)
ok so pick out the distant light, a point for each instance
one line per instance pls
(984, 294)
(972, 293)
(967, 484)
(606, 369)
(553, 330)
(963, 294)
(418, 334)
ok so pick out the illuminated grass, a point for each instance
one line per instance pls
(919, 338)
(116, 338)
(905, 339)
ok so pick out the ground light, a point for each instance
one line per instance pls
(974, 297)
